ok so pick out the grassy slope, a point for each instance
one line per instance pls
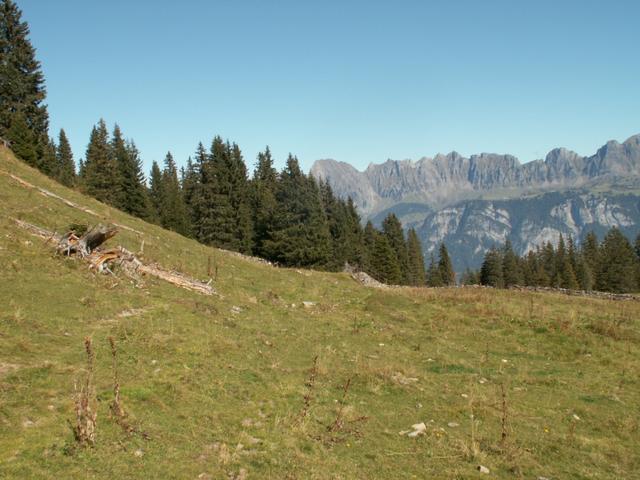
(202, 379)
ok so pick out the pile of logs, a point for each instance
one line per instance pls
(88, 247)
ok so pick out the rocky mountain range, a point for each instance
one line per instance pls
(477, 202)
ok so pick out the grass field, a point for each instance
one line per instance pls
(528, 385)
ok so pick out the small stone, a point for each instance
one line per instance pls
(51, 408)
(453, 425)
(543, 478)
(205, 476)
(235, 309)
(504, 360)
(381, 344)
(154, 362)
(576, 417)
(464, 395)
(483, 380)
(247, 422)
(308, 304)
(28, 423)
(138, 453)
(483, 469)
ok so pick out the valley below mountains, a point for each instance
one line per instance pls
(478, 202)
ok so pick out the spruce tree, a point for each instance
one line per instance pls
(156, 191)
(392, 229)
(66, 166)
(173, 212)
(618, 264)
(24, 143)
(299, 234)
(48, 161)
(511, 272)
(434, 276)
(416, 274)
(445, 267)
(263, 200)
(240, 202)
(590, 251)
(384, 261)
(22, 90)
(368, 241)
(101, 177)
(491, 270)
(337, 221)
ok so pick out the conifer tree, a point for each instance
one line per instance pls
(24, 143)
(445, 267)
(173, 212)
(23, 115)
(156, 191)
(66, 166)
(368, 241)
(101, 177)
(263, 200)
(590, 251)
(392, 228)
(434, 276)
(491, 271)
(384, 262)
(48, 161)
(299, 235)
(618, 270)
(239, 199)
(584, 275)
(416, 274)
(511, 272)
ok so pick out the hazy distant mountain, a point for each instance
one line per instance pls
(474, 202)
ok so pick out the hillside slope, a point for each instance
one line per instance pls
(219, 382)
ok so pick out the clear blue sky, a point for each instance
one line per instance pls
(358, 81)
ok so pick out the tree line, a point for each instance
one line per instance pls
(612, 265)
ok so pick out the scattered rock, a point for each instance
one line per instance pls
(205, 476)
(247, 422)
(483, 380)
(418, 429)
(464, 395)
(138, 453)
(576, 417)
(308, 304)
(399, 378)
(543, 478)
(504, 360)
(28, 423)
(453, 425)
(235, 309)
(483, 469)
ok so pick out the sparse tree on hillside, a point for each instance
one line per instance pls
(23, 115)
(416, 274)
(392, 229)
(491, 271)
(101, 177)
(66, 166)
(445, 267)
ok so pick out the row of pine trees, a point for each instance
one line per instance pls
(612, 265)
(286, 217)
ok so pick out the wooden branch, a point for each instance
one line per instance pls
(88, 248)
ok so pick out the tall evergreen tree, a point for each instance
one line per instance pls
(48, 161)
(299, 235)
(434, 277)
(590, 251)
(384, 262)
(22, 90)
(416, 274)
(618, 270)
(101, 174)
(239, 199)
(156, 191)
(368, 241)
(173, 211)
(392, 228)
(66, 166)
(491, 270)
(445, 267)
(511, 272)
(263, 200)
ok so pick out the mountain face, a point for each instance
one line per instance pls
(476, 202)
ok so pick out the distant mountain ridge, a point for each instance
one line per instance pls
(420, 191)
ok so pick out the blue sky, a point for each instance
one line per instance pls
(358, 81)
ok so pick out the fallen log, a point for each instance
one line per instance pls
(102, 260)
